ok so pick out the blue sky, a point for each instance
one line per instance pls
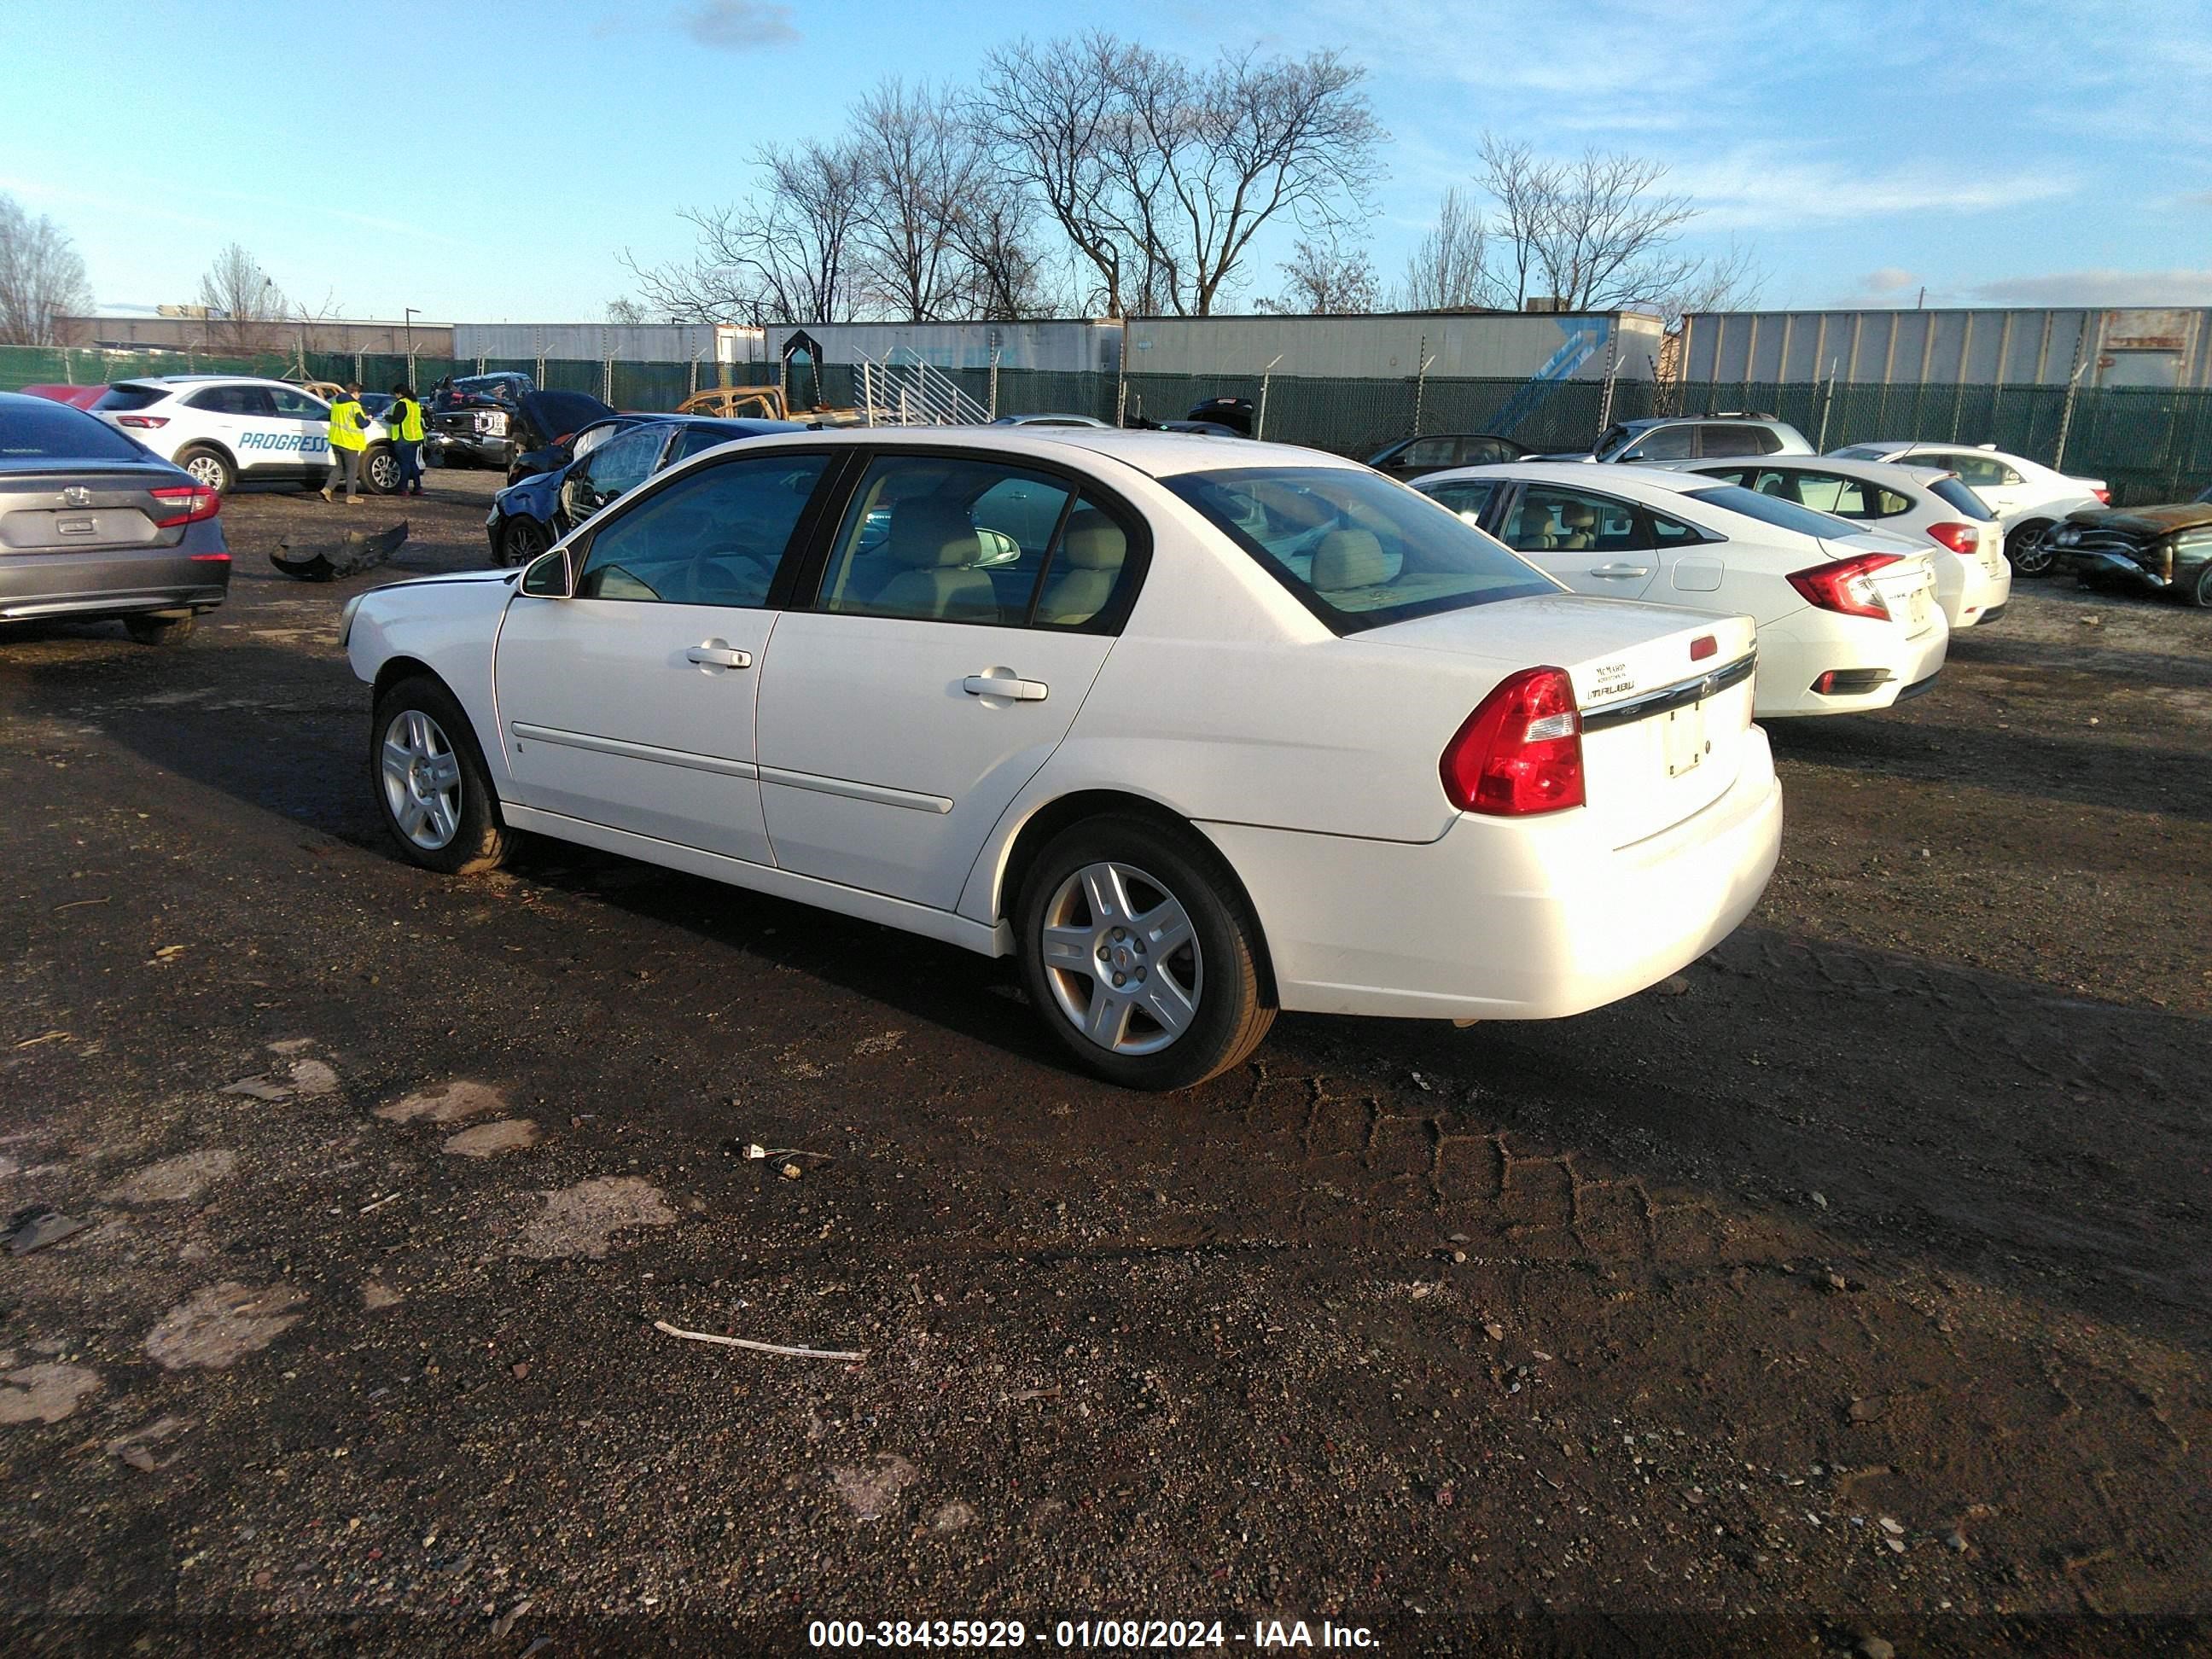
(488, 162)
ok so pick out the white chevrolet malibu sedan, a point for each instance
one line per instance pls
(1199, 731)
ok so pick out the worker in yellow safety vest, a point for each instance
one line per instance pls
(404, 418)
(348, 438)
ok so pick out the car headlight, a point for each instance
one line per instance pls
(345, 619)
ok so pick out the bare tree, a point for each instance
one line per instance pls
(1325, 279)
(243, 301)
(1162, 173)
(920, 167)
(1448, 267)
(625, 312)
(783, 256)
(41, 278)
(1007, 274)
(1727, 282)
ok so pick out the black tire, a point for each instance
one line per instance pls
(2030, 549)
(478, 838)
(210, 467)
(1219, 973)
(159, 630)
(2200, 594)
(379, 470)
(522, 539)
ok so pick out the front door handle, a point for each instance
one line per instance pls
(716, 654)
(1005, 683)
(1622, 570)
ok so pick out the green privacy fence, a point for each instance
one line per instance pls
(2149, 445)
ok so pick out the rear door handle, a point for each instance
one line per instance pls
(716, 654)
(1003, 683)
(1622, 570)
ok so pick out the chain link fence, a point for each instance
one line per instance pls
(2149, 445)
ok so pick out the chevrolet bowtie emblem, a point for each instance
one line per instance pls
(76, 496)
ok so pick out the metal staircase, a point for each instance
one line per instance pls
(899, 389)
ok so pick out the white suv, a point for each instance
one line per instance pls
(226, 429)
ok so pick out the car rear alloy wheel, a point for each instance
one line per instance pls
(2031, 550)
(207, 468)
(430, 778)
(1142, 954)
(379, 470)
(2200, 595)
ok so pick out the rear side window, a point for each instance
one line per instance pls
(1359, 550)
(1550, 521)
(1956, 495)
(1770, 509)
(33, 431)
(934, 538)
(127, 396)
(1737, 441)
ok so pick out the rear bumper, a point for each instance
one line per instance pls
(1500, 919)
(111, 584)
(1984, 597)
(447, 449)
(1796, 650)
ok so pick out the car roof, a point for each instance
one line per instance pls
(1847, 466)
(1605, 480)
(1155, 454)
(208, 379)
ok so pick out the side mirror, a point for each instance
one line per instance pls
(549, 576)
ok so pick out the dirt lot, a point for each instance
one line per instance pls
(1858, 1286)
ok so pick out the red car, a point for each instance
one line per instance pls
(76, 397)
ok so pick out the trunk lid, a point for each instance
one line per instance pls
(1663, 730)
(1907, 587)
(85, 510)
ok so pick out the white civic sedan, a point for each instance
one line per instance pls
(1848, 619)
(1972, 580)
(1200, 730)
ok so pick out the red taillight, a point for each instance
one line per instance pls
(2104, 496)
(146, 422)
(1958, 537)
(1846, 586)
(1520, 752)
(188, 504)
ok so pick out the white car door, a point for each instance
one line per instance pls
(304, 422)
(237, 418)
(629, 702)
(1997, 483)
(965, 607)
(1595, 543)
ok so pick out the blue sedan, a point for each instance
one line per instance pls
(528, 517)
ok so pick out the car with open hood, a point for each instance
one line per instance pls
(2164, 549)
(468, 419)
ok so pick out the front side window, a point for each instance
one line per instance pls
(1359, 550)
(1549, 520)
(717, 537)
(1770, 509)
(944, 539)
(1665, 443)
(1468, 497)
(625, 462)
(1428, 451)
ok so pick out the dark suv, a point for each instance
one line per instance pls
(470, 420)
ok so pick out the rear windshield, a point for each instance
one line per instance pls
(1955, 492)
(131, 397)
(33, 432)
(1772, 509)
(1359, 550)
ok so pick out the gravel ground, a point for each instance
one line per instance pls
(1855, 1288)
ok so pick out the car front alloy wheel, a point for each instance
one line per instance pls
(2031, 550)
(431, 781)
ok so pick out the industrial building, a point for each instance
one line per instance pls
(196, 329)
(1447, 344)
(2141, 347)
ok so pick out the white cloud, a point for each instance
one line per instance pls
(737, 25)
(1757, 187)
(2102, 287)
(1887, 280)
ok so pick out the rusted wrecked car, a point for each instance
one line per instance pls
(2168, 549)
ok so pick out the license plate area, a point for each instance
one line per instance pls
(1683, 740)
